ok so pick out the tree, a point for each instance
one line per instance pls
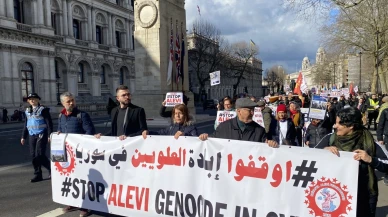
(242, 62)
(275, 77)
(318, 8)
(207, 50)
(363, 28)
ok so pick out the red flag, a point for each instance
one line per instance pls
(298, 84)
(351, 89)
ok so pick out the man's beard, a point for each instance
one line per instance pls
(70, 109)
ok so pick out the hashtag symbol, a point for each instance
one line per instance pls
(66, 187)
(304, 173)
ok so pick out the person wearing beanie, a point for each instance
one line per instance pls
(283, 129)
(242, 127)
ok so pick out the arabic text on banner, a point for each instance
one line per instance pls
(163, 176)
(174, 98)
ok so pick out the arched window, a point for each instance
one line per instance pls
(99, 34)
(102, 75)
(80, 73)
(118, 39)
(121, 76)
(27, 80)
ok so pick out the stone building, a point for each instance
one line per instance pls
(250, 84)
(336, 72)
(51, 46)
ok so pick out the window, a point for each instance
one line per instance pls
(132, 3)
(118, 2)
(76, 29)
(118, 42)
(54, 23)
(27, 80)
(99, 34)
(121, 76)
(80, 73)
(133, 42)
(17, 11)
(102, 75)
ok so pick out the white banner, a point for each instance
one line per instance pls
(215, 78)
(163, 176)
(174, 98)
(258, 117)
(224, 116)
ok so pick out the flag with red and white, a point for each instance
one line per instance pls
(177, 56)
(171, 58)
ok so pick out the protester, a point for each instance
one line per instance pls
(73, 120)
(373, 110)
(351, 136)
(181, 126)
(297, 119)
(38, 127)
(228, 106)
(283, 129)
(316, 130)
(127, 119)
(241, 127)
(267, 115)
(382, 130)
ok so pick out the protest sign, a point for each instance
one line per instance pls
(174, 98)
(163, 176)
(224, 116)
(318, 107)
(258, 117)
(215, 78)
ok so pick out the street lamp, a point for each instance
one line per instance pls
(359, 84)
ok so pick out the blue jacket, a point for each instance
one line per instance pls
(189, 130)
(73, 124)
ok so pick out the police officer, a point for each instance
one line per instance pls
(38, 126)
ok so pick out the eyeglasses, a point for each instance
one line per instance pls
(126, 94)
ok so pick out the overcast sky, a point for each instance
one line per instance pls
(282, 38)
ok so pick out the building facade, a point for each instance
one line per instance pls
(335, 72)
(51, 46)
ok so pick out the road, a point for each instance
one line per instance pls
(19, 197)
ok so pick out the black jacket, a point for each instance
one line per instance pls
(275, 132)
(315, 133)
(379, 162)
(230, 130)
(164, 113)
(189, 130)
(382, 128)
(135, 124)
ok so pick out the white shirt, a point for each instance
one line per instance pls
(283, 131)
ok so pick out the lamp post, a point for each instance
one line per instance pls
(359, 83)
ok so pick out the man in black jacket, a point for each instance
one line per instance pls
(382, 132)
(127, 119)
(242, 127)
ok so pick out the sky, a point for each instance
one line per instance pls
(282, 38)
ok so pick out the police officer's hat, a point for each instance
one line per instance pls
(33, 95)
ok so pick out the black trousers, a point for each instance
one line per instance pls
(373, 116)
(38, 145)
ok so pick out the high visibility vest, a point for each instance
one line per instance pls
(35, 121)
(373, 104)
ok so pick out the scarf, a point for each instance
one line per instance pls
(361, 139)
(383, 106)
(295, 117)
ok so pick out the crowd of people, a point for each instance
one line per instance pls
(342, 129)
